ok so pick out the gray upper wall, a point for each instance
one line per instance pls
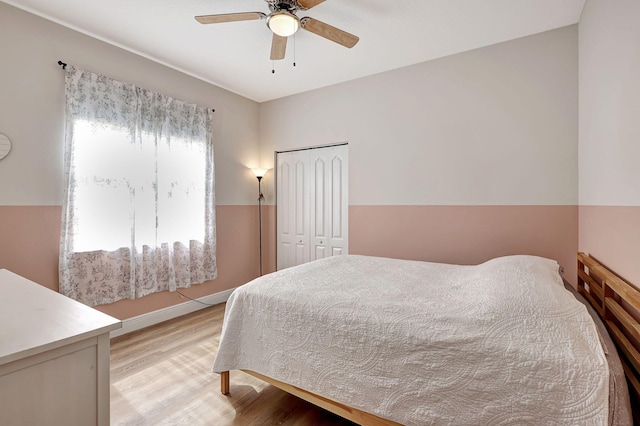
(32, 108)
(497, 125)
(492, 126)
(610, 103)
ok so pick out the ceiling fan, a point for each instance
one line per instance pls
(283, 22)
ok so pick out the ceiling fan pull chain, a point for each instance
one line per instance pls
(294, 50)
(273, 70)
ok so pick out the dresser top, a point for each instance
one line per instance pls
(35, 319)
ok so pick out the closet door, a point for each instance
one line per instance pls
(329, 203)
(293, 192)
(312, 198)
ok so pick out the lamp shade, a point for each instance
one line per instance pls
(283, 23)
(259, 172)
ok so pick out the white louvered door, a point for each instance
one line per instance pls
(312, 198)
(292, 209)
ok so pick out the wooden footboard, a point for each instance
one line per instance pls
(618, 304)
(349, 413)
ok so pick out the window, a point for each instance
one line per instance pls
(139, 208)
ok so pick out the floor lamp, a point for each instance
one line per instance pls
(260, 174)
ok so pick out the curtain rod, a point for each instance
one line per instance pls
(64, 67)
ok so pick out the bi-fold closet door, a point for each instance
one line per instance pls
(312, 204)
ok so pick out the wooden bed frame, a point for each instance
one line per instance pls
(616, 301)
(353, 414)
(618, 304)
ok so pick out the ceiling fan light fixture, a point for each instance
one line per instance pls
(283, 23)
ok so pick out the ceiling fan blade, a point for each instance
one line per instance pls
(230, 17)
(308, 4)
(278, 47)
(329, 32)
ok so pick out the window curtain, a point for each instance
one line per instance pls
(139, 203)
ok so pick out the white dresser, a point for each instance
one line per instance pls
(54, 357)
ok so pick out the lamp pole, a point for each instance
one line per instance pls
(260, 200)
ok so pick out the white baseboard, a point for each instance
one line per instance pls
(156, 317)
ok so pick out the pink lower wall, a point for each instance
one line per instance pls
(29, 242)
(454, 234)
(611, 234)
(466, 234)
(29, 247)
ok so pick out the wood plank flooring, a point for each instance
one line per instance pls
(162, 375)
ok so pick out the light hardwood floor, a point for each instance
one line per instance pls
(162, 376)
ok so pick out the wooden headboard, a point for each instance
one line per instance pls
(618, 304)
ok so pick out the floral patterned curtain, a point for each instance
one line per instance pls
(139, 204)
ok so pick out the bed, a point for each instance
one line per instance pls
(388, 341)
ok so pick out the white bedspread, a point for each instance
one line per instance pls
(500, 343)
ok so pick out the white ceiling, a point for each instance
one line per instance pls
(235, 55)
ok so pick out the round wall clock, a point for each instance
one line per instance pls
(5, 146)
